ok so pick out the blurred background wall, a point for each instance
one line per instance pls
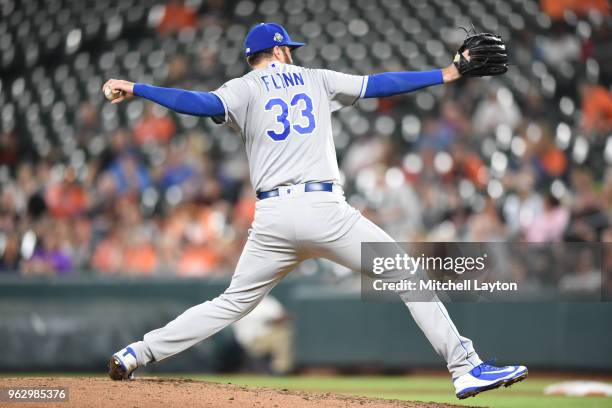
(114, 218)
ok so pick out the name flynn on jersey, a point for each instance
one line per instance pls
(451, 286)
(280, 80)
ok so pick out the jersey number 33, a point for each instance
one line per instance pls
(279, 106)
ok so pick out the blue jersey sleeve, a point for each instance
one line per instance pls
(182, 101)
(393, 83)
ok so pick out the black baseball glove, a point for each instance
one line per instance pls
(487, 56)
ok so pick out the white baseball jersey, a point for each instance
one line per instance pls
(283, 113)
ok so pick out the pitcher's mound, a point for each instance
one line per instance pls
(160, 392)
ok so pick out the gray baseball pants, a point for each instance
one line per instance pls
(286, 230)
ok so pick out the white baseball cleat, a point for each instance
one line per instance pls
(122, 364)
(487, 377)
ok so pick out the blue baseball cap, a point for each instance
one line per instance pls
(267, 35)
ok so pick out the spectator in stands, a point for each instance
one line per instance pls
(549, 162)
(177, 16)
(201, 229)
(469, 164)
(139, 255)
(176, 169)
(155, 126)
(87, 123)
(550, 225)
(52, 253)
(437, 134)
(523, 209)
(365, 152)
(559, 47)
(197, 260)
(486, 226)
(499, 108)
(67, 198)
(108, 255)
(178, 70)
(9, 148)
(129, 174)
(9, 251)
(596, 109)
(396, 204)
(556, 9)
(586, 198)
(588, 215)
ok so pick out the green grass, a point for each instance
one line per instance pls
(420, 388)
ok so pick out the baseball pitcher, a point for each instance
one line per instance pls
(283, 114)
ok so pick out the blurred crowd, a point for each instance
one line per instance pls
(482, 160)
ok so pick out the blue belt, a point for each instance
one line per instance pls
(308, 187)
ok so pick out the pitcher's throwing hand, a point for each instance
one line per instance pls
(117, 90)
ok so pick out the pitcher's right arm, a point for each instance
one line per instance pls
(179, 100)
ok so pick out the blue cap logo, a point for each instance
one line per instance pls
(267, 35)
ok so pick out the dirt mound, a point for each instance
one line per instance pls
(158, 392)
